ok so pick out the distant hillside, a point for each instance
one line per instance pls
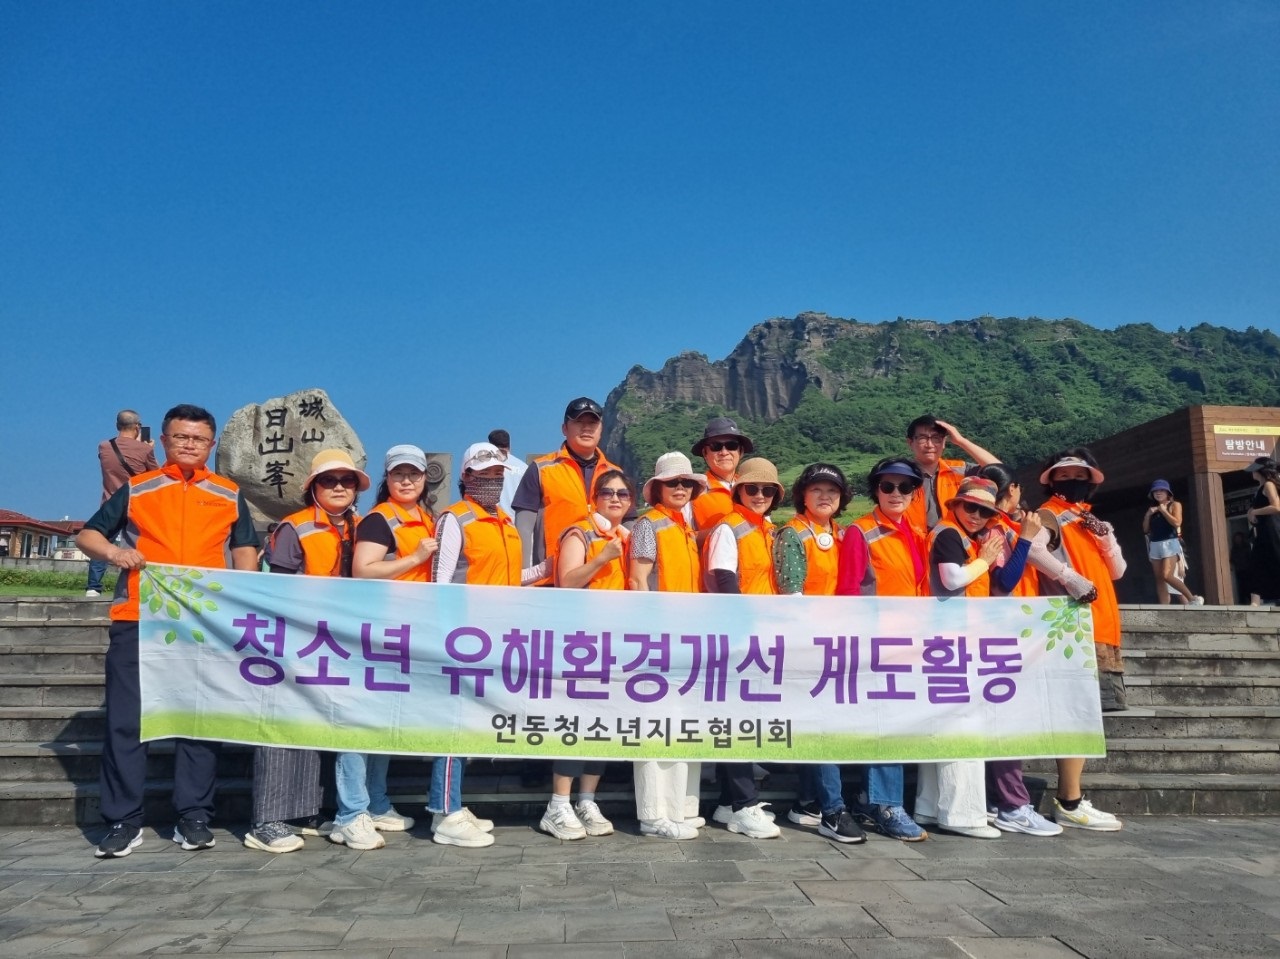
(819, 387)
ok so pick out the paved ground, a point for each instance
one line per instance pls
(1161, 888)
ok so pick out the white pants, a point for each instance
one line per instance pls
(667, 790)
(953, 793)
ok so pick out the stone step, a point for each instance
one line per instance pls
(16, 636)
(51, 689)
(53, 608)
(1203, 691)
(1159, 755)
(51, 723)
(1194, 722)
(1197, 662)
(1179, 794)
(88, 659)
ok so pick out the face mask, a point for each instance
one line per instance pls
(485, 490)
(1073, 491)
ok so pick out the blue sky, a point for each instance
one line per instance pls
(456, 216)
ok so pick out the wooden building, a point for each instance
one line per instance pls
(1202, 451)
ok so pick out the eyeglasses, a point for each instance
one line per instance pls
(717, 445)
(680, 484)
(407, 476)
(182, 439)
(933, 439)
(331, 481)
(757, 489)
(973, 509)
(906, 488)
(608, 492)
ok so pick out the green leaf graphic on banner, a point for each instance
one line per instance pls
(175, 591)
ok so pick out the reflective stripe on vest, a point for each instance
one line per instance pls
(755, 555)
(565, 499)
(409, 531)
(822, 566)
(612, 575)
(1079, 550)
(891, 559)
(321, 542)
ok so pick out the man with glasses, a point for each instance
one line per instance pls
(555, 494)
(722, 447)
(928, 437)
(182, 514)
(124, 456)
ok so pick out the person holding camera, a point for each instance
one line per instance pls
(130, 452)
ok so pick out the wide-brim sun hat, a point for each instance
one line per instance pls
(760, 470)
(405, 454)
(334, 461)
(1095, 475)
(672, 466)
(1261, 463)
(723, 428)
(977, 490)
(1157, 486)
(479, 456)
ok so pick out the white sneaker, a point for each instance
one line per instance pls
(456, 829)
(1084, 816)
(1197, 600)
(697, 822)
(973, 832)
(92, 593)
(754, 823)
(560, 821)
(724, 814)
(592, 819)
(484, 825)
(1026, 820)
(391, 821)
(358, 834)
(666, 829)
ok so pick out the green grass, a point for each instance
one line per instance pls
(30, 582)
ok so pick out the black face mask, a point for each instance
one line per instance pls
(1073, 491)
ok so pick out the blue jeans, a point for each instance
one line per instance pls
(362, 785)
(821, 781)
(97, 569)
(884, 785)
(446, 785)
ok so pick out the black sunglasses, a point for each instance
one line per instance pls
(607, 492)
(906, 488)
(758, 489)
(332, 481)
(974, 509)
(680, 484)
(717, 445)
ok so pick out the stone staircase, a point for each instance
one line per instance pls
(1201, 737)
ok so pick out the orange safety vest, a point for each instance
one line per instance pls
(174, 520)
(1029, 584)
(822, 566)
(612, 575)
(754, 534)
(979, 587)
(947, 482)
(565, 500)
(321, 541)
(714, 505)
(677, 568)
(409, 527)
(1079, 548)
(490, 554)
(891, 555)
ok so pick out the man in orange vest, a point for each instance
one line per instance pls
(928, 437)
(555, 491)
(184, 514)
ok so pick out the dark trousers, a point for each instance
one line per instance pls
(124, 758)
(737, 786)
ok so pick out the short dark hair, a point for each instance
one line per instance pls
(500, 439)
(127, 418)
(928, 420)
(613, 474)
(190, 413)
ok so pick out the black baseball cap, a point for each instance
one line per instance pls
(581, 406)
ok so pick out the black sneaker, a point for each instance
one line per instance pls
(805, 814)
(842, 828)
(193, 834)
(119, 842)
